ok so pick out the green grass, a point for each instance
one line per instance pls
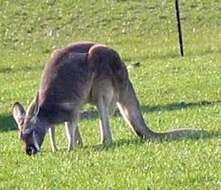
(174, 92)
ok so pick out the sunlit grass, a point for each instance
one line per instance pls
(174, 92)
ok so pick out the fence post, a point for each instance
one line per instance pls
(179, 27)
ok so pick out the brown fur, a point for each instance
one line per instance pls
(77, 74)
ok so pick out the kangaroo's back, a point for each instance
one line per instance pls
(108, 65)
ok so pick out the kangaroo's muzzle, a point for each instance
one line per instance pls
(31, 150)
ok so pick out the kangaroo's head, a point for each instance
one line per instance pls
(31, 129)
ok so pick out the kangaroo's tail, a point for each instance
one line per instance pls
(107, 63)
(130, 109)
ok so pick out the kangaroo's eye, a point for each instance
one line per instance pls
(26, 134)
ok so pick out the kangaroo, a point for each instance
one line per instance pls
(82, 73)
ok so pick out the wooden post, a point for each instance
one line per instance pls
(179, 27)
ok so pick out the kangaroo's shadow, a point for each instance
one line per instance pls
(156, 108)
(177, 106)
(6, 123)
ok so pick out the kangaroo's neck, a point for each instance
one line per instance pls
(57, 113)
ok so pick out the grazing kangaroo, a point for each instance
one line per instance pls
(80, 73)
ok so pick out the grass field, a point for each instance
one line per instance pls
(174, 92)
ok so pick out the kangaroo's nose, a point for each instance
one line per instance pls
(30, 150)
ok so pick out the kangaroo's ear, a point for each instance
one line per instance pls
(33, 108)
(18, 112)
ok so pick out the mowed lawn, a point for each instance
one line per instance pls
(174, 92)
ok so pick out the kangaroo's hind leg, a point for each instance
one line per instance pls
(104, 103)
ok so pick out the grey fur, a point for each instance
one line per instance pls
(77, 74)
